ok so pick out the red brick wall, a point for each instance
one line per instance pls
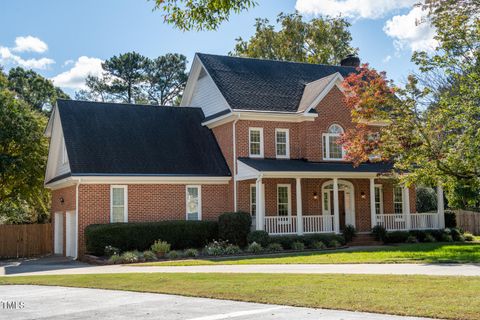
(224, 136)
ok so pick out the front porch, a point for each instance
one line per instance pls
(300, 202)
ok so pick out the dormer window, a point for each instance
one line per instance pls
(332, 150)
(255, 142)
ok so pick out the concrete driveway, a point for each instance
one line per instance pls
(77, 303)
(60, 265)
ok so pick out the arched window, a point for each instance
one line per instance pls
(331, 149)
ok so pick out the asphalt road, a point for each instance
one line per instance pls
(42, 302)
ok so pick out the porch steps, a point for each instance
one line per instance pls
(364, 239)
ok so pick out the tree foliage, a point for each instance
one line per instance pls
(320, 40)
(35, 90)
(200, 14)
(133, 78)
(433, 129)
(23, 156)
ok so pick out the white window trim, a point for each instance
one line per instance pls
(326, 147)
(199, 187)
(252, 186)
(289, 192)
(261, 143)
(396, 202)
(125, 202)
(380, 187)
(287, 142)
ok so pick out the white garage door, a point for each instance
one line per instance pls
(71, 236)
(58, 244)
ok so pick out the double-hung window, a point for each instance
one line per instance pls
(255, 142)
(282, 147)
(118, 204)
(194, 203)
(283, 200)
(398, 199)
(332, 150)
(378, 199)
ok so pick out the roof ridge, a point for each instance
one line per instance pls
(126, 104)
(274, 60)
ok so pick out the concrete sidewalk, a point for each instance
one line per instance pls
(74, 267)
(79, 303)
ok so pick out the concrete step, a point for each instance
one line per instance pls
(364, 240)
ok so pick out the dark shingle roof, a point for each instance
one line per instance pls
(264, 85)
(266, 165)
(122, 139)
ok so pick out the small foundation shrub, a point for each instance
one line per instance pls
(297, 245)
(160, 248)
(318, 245)
(259, 236)
(274, 247)
(254, 248)
(149, 255)
(191, 253)
(232, 249)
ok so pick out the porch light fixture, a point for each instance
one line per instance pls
(363, 195)
(61, 200)
(315, 196)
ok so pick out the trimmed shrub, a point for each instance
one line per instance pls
(379, 233)
(450, 219)
(430, 238)
(349, 233)
(174, 254)
(191, 253)
(131, 236)
(232, 249)
(149, 255)
(234, 227)
(215, 248)
(468, 236)
(307, 240)
(318, 245)
(260, 237)
(274, 247)
(115, 259)
(129, 257)
(160, 248)
(418, 234)
(297, 245)
(455, 233)
(412, 239)
(334, 244)
(110, 251)
(396, 237)
(254, 248)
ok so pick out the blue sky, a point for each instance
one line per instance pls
(70, 38)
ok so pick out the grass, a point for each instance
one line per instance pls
(428, 296)
(409, 253)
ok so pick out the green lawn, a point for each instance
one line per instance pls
(428, 296)
(409, 253)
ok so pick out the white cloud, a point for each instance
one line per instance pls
(75, 77)
(29, 44)
(367, 9)
(7, 57)
(412, 31)
(387, 59)
(68, 62)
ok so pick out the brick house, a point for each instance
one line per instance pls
(251, 135)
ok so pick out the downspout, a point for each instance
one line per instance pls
(234, 138)
(76, 217)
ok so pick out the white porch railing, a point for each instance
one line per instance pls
(318, 224)
(281, 225)
(418, 221)
(421, 221)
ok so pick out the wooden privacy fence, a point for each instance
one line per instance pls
(468, 221)
(25, 240)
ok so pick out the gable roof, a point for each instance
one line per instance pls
(265, 85)
(138, 140)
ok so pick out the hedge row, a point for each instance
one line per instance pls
(140, 236)
(307, 240)
(439, 235)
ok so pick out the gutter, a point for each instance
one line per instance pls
(234, 138)
(79, 181)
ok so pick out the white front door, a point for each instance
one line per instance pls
(58, 236)
(71, 236)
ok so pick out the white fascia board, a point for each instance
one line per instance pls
(48, 129)
(335, 81)
(137, 180)
(260, 116)
(245, 172)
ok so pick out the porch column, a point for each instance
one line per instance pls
(299, 207)
(406, 207)
(260, 212)
(373, 213)
(440, 207)
(336, 212)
